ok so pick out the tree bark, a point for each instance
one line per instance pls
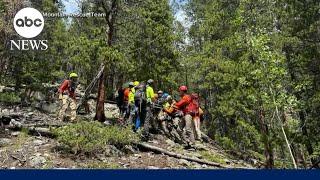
(307, 141)
(100, 116)
(110, 19)
(268, 151)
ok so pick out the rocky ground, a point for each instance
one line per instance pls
(18, 149)
(21, 149)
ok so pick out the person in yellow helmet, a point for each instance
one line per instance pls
(150, 92)
(131, 100)
(68, 97)
(148, 121)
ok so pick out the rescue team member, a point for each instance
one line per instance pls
(126, 111)
(150, 97)
(196, 112)
(67, 96)
(187, 122)
(131, 102)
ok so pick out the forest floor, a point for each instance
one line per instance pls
(18, 150)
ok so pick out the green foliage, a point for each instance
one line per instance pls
(247, 137)
(9, 98)
(226, 143)
(212, 157)
(249, 64)
(92, 137)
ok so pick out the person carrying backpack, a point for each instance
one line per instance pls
(187, 123)
(68, 97)
(140, 106)
(195, 111)
(131, 102)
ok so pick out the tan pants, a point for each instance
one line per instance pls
(188, 124)
(197, 131)
(68, 102)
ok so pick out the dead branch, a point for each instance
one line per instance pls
(179, 156)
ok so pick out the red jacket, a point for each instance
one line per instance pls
(126, 94)
(183, 103)
(65, 88)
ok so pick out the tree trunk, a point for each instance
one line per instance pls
(307, 141)
(268, 151)
(110, 18)
(100, 116)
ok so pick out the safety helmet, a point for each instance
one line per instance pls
(183, 88)
(73, 75)
(136, 83)
(131, 84)
(165, 95)
(160, 92)
(150, 81)
(169, 98)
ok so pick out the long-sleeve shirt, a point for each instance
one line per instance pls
(183, 103)
(150, 94)
(65, 87)
(131, 95)
(126, 94)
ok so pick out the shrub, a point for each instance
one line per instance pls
(247, 137)
(226, 143)
(92, 137)
(9, 98)
(213, 157)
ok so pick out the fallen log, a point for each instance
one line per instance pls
(36, 131)
(179, 156)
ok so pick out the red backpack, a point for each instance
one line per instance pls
(193, 106)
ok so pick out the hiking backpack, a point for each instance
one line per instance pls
(193, 106)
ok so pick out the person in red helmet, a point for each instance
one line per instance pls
(187, 122)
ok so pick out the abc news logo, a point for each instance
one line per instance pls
(28, 23)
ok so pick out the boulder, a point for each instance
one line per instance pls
(4, 142)
(170, 142)
(37, 161)
(5, 112)
(39, 96)
(184, 162)
(111, 111)
(50, 108)
(111, 150)
(6, 89)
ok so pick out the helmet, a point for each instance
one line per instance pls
(131, 84)
(169, 98)
(150, 81)
(183, 88)
(160, 92)
(73, 75)
(165, 95)
(136, 83)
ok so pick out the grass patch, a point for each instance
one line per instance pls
(212, 157)
(21, 139)
(92, 137)
(9, 98)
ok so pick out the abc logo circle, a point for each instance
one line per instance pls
(28, 22)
